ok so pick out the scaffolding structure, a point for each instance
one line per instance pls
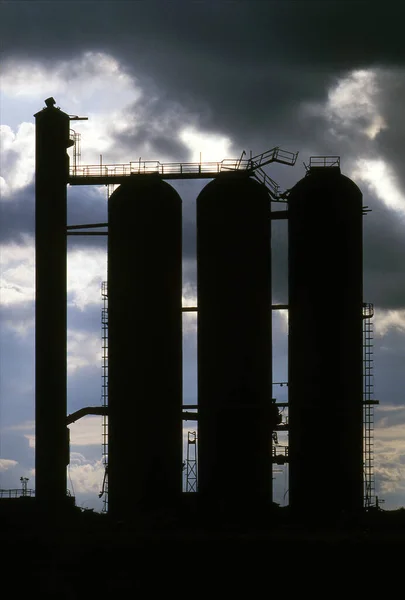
(368, 406)
(191, 463)
(104, 390)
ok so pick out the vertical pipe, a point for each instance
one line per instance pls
(51, 174)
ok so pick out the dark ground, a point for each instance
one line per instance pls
(86, 555)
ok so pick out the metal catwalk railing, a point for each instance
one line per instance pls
(324, 161)
(180, 169)
(17, 493)
(280, 454)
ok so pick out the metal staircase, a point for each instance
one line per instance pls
(272, 187)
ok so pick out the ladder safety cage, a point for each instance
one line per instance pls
(368, 407)
(76, 138)
(104, 391)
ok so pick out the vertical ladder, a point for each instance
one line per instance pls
(368, 407)
(104, 388)
(191, 464)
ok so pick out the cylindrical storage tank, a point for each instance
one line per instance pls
(144, 347)
(234, 345)
(325, 343)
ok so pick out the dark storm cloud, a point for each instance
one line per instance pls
(88, 320)
(389, 357)
(389, 142)
(336, 35)
(384, 257)
(189, 363)
(15, 445)
(17, 368)
(279, 261)
(17, 215)
(240, 68)
(390, 418)
(153, 124)
(85, 205)
(84, 388)
(19, 313)
(246, 62)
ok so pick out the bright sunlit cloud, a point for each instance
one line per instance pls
(93, 84)
(282, 316)
(381, 180)
(353, 104)
(386, 320)
(354, 113)
(85, 79)
(17, 272)
(17, 163)
(6, 464)
(83, 350)
(207, 146)
(189, 298)
(87, 269)
(85, 475)
(86, 432)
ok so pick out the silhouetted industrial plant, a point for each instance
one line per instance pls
(330, 394)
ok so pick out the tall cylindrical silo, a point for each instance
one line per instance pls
(325, 343)
(144, 347)
(234, 344)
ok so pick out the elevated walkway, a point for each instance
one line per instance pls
(117, 173)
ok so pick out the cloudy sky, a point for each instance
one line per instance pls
(167, 81)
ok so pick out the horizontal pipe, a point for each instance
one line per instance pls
(83, 412)
(190, 416)
(273, 307)
(278, 215)
(87, 233)
(187, 415)
(87, 226)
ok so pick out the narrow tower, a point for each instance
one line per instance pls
(51, 175)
